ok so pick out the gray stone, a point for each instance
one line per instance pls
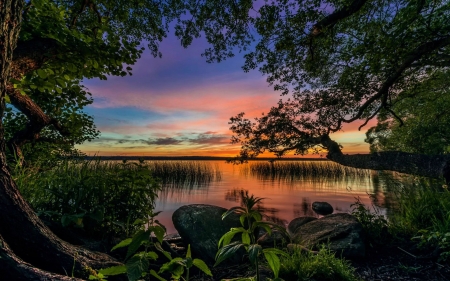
(342, 233)
(202, 226)
(297, 222)
(275, 239)
(322, 208)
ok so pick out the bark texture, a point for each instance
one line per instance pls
(25, 234)
(13, 268)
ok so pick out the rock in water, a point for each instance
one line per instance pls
(342, 233)
(322, 208)
(202, 226)
(297, 222)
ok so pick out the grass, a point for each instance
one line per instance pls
(184, 173)
(295, 170)
(99, 197)
(105, 197)
(419, 204)
(301, 266)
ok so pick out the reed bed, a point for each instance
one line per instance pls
(295, 170)
(184, 173)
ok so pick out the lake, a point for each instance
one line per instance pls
(288, 195)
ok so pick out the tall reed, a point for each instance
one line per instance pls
(294, 170)
(184, 173)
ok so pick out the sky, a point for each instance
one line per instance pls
(180, 105)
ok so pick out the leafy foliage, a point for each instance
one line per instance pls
(375, 225)
(304, 265)
(251, 218)
(342, 61)
(100, 197)
(138, 263)
(424, 116)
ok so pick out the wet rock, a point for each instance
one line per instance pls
(202, 226)
(341, 233)
(322, 208)
(275, 239)
(297, 222)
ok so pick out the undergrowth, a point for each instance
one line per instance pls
(302, 265)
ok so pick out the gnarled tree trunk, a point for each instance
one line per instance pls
(24, 233)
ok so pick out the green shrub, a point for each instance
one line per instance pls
(375, 225)
(302, 265)
(420, 204)
(99, 196)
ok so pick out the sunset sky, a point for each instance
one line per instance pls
(181, 105)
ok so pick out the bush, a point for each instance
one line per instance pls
(101, 197)
(302, 265)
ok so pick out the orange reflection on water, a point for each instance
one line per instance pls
(285, 198)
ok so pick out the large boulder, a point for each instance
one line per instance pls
(342, 233)
(322, 208)
(202, 226)
(297, 222)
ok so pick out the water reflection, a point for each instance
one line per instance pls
(287, 196)
(304, 209)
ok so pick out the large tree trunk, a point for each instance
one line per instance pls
(20, 227)
(433, 166)
(13, 268)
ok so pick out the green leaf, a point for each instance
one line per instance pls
(245, 238)
(136, 266)
(227, 251)
(158, 231)
(188, 253)
(276, 251)
(253, 252)
(122, 244)
(226, 238)
(42, 74)
(165, 253)
(140, 237)
(114, 270)
(202, 266)
(237, 210)
(156, 275)
(273, 261)
(151, 255)
(175, 266)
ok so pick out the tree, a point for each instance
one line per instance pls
(46, 48)
(341, 61)
(425, 120)
(50, 143)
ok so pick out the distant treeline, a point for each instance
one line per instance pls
(147, 158)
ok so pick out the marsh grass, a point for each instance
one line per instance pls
(419, 204)
(301, 265)
(182, 174)
(295, 170)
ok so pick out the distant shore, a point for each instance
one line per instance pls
(203, 158)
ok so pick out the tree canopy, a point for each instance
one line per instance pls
(339, 61)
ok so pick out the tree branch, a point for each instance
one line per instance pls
(414, 56)
(31, 55)
(37, 121)
(330, 20)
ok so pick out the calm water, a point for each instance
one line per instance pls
(285, 198)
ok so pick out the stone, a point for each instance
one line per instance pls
(202, 226)
(341, 233)
(275, 239)
(297, 222)
(322, 208)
